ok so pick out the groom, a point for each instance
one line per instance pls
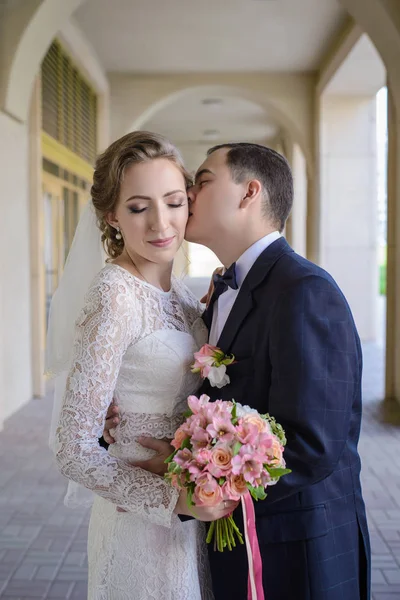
(298, 357)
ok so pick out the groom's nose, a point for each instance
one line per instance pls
(192, 194)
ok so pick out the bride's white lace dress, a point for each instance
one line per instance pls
(134, 343)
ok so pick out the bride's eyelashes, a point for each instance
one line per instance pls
(137, 211)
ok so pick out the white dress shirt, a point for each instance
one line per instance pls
(225, 302)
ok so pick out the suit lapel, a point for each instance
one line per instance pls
(240, 310)
(244, 301)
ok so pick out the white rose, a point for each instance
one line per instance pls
(241, 410)
(217, 376)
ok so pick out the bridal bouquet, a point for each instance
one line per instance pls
(226, 451)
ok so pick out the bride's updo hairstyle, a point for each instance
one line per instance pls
(133, 148)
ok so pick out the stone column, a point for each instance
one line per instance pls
(38, 314)
(299, 213)
(393, 253)
(348, 209)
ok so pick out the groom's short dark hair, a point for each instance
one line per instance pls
(270, 168)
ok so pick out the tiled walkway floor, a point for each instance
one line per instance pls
(43, 544)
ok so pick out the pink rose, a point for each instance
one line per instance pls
(259, 422)
(220, 461)
(179, 437)
(275, 453)
(234, 487)
(202, 457)
(238, 484)
(207, 492)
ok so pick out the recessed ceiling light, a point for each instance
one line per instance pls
(212, 101)
(211, 134)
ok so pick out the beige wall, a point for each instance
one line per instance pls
(21, 297)
(15, 350)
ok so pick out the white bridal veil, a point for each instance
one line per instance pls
(85, 259)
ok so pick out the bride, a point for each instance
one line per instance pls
(135, 336)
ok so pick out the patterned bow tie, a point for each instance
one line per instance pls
(222, 282)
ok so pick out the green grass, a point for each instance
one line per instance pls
(382, 279)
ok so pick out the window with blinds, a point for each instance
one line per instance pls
(69, 105)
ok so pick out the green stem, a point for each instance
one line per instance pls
(210, 532)
(228, 534)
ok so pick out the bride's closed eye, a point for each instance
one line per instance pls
(177, 205)
(137, 211)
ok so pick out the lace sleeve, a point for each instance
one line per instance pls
(105, 329)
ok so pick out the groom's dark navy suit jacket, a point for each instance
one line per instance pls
(299, 358)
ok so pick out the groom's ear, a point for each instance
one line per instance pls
(253, 192)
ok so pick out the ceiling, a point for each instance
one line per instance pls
(189, 120)
(161, 36)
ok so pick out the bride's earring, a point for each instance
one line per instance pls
(118, 235)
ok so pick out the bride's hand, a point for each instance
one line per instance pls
(207, 297)
(204, 513)
(156, 464)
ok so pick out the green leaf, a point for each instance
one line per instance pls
(189, 499)
(228, 360)
(276, 428)
(257, 493)
(236, 448)
(221, 481)
(188, 413)
(276, 471)
(170, 457)
(186, 444)
(234, 411)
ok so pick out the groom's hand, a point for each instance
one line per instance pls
(112, 420)
(156, 464)
(207, 297)
(204, 513)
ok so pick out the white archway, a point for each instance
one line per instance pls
(26, 35)
(277, 113)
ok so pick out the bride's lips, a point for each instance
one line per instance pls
(164, 243)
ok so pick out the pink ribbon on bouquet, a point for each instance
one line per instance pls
(255, 589)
